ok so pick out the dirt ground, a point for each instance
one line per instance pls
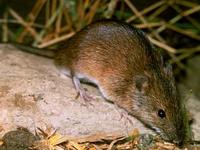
(33, 94)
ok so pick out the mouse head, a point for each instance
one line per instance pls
(159, 105)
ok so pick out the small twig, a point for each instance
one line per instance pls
(146, 10)
(66, 29)
(141, 17)
(59, 21)
(110, 147)
(134, 10)
(47, 11)
(22, 22)
(53, 6)
(183, 31)
(68, 18)
(56, 40)
(58, 25)
(186, 53)
(178, 62)
(158, 12)
(111, 9)
(5, 28)
(91, 13)
(181, 57)
(51, 36)
(17, 22)
(162, 45)
(184, 50)
(187, 3)
(32, 17)
(49, 23)
(152, 25)
(170, 49)
(178, 17)
(81, 14)
(193, 22)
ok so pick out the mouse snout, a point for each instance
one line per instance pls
(173, 135)
(179, 135)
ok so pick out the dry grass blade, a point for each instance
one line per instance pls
(11, 21)
(166, 146)
(98, 137)
(168, 48)
(186, 53)
(49, 23)
(184, 32)
(57, 139)
(80, 14)
(141, 17)
(158, 12)
(110, 147)
(111, 9)
(152, 25)
(174, 58)
(192, 21)
(181, 57)
(32, 17)
(59, 21)
(22, 22)
(178, 17)
(47, 11)
(53, 6)
(137, 13)
(92, 12)
(56, 40)
(146, 10)
(68, 18)
(49, 140)
(191, 11)
(36, 10)
(5, 28)
(75, 145)
(162, 45)
(1, 142)
(58, 25)
(185, 50)
(186, 3)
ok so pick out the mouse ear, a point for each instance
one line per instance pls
(141, 82)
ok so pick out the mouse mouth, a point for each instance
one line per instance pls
(157, 130)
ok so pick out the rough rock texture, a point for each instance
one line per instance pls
(33, 94)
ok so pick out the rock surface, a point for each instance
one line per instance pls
(33, 94)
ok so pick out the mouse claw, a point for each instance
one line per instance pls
(85, 96)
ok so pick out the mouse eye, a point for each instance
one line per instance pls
(161, 113)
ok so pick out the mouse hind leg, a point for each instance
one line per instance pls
(64, 71)
(80, 90)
